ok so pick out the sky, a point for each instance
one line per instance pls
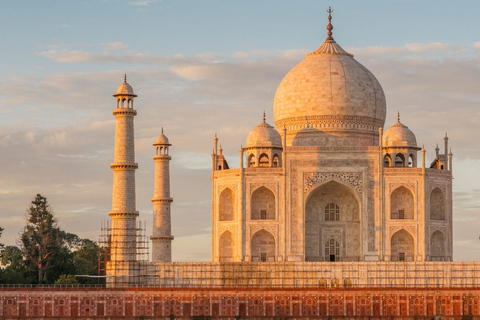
(206, 67)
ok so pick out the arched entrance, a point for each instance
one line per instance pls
(437, 247)
(227, 205)
(332, 224)
(263, 204)
(226, 247)
(437, 205)
(402, 204)
(263, 247)
(402, 246)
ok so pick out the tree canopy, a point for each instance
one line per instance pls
(46, 253)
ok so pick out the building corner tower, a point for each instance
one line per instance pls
(124, 213)
(162, 234)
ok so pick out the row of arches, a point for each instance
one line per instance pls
(161, 151)
(400, 160)
(263, 161)
(402, 204)
(262, 247)
(402, 246)
(262, 205)
(125, 103)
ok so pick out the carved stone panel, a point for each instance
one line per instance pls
(355, 179)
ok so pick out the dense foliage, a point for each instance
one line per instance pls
(47, 254)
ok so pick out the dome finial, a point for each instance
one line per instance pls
(329, 26)
(125, 78)
(162, 130)
(263, 116)
(398, 116)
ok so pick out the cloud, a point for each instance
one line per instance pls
(115, 46)
(144, 2)
(57, 130)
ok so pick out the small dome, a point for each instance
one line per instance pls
(125, 89)
(399, 135)
(162, 139)
(264, 135)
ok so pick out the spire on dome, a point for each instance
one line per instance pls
(329, 46)
(329, 26)
(125, 78)
(398, 116)
(263, 116)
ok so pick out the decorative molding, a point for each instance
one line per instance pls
(411, 229)
(123, 214)
(231, 186)
(355, 179)
(332, 123)
(128, 166)
(222, 229)
(124, 112)
(394, 185)
(441, 187)
(270, 228)
(270, 185)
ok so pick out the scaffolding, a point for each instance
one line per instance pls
(134, 246)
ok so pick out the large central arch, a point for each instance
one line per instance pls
(332, 218)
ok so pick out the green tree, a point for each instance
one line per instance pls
(48, 252)
(15, 270)
(85, 260)
(41, 238)
(66, 279)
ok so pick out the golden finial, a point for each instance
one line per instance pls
(125, 78)
(398, 116)
(263, 116)
(329, 26)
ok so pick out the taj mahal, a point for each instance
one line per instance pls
(326, 186)
(328, 215)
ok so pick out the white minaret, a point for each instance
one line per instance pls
(124, 213)
(162, 233)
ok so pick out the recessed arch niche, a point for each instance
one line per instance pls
(345, 230)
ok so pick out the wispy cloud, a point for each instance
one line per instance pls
(144, 2)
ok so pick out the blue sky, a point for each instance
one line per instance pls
(201, 67)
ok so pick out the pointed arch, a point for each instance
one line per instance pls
(263, 160)
(226, 205)
(402, 246)
(251, 161)
(399, 160)
(263, 246)
(412, 160)
(226, 247)
(276, 161)
(437, 205)
(438, 246)
(262, 204)
(402, 204)
(387, 160)
(337, 200)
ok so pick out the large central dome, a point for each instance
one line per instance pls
(330, 99)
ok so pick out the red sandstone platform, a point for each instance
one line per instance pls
(239, 303)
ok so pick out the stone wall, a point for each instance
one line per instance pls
(242, 303)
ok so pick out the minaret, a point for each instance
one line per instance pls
(124, 213)
(162, 233)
